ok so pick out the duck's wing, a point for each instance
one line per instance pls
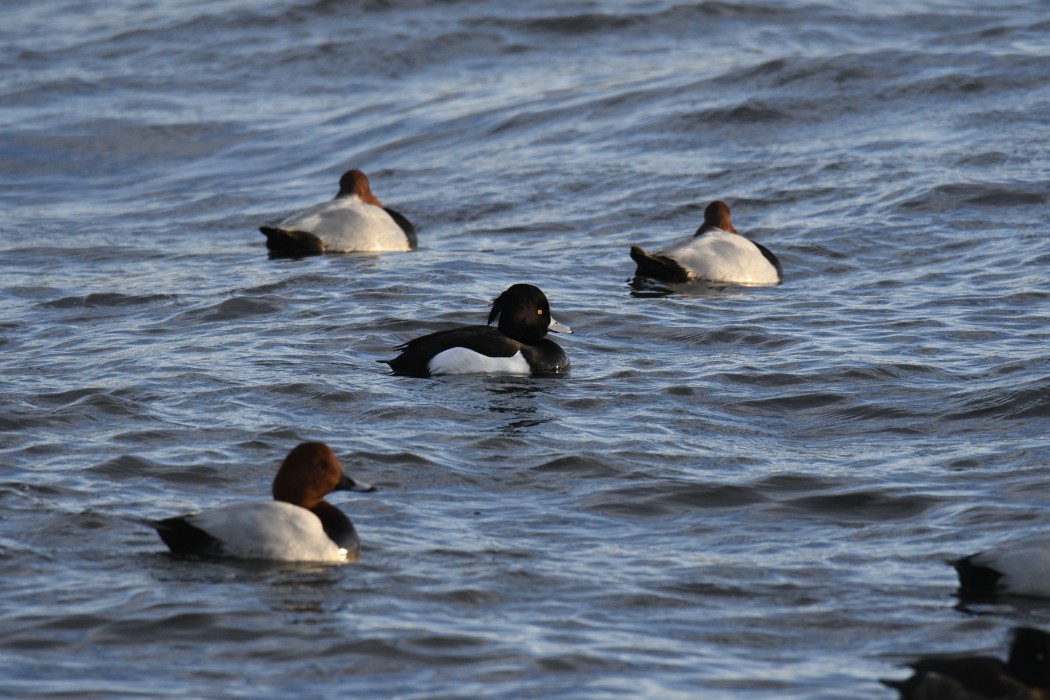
(417, 353)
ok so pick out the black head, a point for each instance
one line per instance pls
(1030, 657)
(524, 314)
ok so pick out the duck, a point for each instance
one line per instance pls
(297, 525)
(1025, 674)
(353, 222)
(516, 346)
(1018, 567)
(717, 252)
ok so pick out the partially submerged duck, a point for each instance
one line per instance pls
(1018, 567)
(716, 253)
(354, 222)
(298, 525)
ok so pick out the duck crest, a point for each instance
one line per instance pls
(497, 308)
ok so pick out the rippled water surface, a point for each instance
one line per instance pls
(736, 492)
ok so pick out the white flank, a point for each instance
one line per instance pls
(464, 361)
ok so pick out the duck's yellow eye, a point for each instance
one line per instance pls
(539, 311)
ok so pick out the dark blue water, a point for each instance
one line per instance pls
(737, 492)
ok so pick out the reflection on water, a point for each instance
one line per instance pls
(645, 288)
(516, 399)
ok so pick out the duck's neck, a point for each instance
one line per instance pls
(707, 228)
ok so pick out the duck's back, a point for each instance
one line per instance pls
(1021, 567)
(721, 256)
(266, 530)
(347, 225)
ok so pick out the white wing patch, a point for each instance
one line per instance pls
(720, 256)
(464, 361)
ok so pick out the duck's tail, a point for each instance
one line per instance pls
(282, 242)
(658, 266)
(183, 538)
(975, 578)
